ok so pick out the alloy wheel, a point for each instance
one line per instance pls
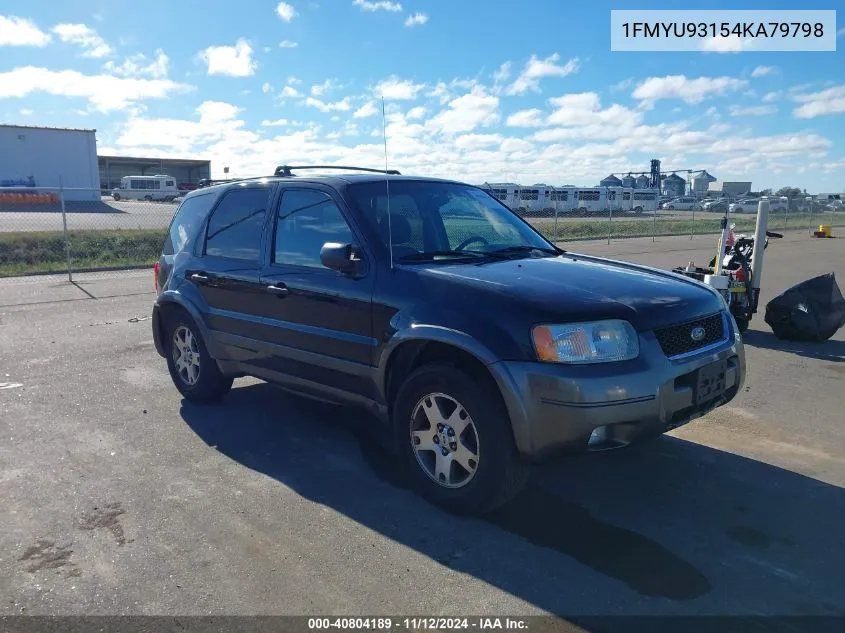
(445, 440)
(186, 356)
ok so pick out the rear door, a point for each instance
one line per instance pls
(318, 320)
(226, 272)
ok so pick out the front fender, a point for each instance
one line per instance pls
(508, 388)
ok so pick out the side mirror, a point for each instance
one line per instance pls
(339, 257)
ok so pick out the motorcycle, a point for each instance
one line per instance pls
(737, 254)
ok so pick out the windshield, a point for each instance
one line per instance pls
(440, 217)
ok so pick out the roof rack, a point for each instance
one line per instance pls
(285, 170)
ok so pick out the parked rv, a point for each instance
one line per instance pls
(157, 187)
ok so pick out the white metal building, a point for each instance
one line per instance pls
(50, 157)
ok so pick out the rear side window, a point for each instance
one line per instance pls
(307, 219)
(234, 229)
(186, 224)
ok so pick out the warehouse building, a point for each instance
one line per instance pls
(186, 172)
(729, 189)
(33, 157)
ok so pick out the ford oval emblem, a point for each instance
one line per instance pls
(697, 334)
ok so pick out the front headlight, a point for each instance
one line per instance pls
(582, 343)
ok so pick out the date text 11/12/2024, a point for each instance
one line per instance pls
(418, 623)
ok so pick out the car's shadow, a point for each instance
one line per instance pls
(832, 350)
(668, 527)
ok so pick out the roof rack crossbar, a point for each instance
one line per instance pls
(286, 170)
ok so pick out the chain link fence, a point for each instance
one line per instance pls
(78, 230)
(54, 230)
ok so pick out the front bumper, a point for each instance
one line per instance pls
(555, 408)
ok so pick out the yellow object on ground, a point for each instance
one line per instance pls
(826, 229)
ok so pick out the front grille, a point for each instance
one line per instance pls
(677, 339)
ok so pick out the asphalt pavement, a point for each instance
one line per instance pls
(120, 498)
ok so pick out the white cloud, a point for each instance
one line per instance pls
(342, 106)
(467, 112)
(92, 44)
(730, 44)
(503, 74)
(416, 113)
(682, 87)
(25, 112)
(276, 123)
(772, 146)
(217, 119)
(285, 11)
(512, 145)
(416, 19)
(477, 141)
(234, 61)
(761, 110)
(290, 92)
(287, 44)
(381, 5)
(366, 110)
(318, 90)
(829, 101)
(140, 66)
(526, 118)
(398, 89)
(105, 93)
(762, 71)
(535, 69)
(293, 81)
(772, 96)
(584, 109)
(623, 85)
(266, 87)
(15, 31)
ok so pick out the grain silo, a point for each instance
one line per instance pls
(629, 181)
(674, 186)
(643, 182)
(610, 181)
(701, 182)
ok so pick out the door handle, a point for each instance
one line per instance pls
(200, 278)
(280, 290)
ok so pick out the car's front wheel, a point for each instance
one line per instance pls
(193, 371)
(456, 441)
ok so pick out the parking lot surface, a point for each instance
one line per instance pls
(120, 498)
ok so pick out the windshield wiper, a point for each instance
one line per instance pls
(524, 248)
(426, 255)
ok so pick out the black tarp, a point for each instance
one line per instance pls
(810, 311)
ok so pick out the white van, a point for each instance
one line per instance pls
(684, 203)
(146, 188)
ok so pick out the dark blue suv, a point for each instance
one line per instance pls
(478, 344)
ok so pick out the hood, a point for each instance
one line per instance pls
(574, 287)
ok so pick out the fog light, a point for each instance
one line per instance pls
(598, 436)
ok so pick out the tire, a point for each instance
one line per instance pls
(148, 198)
(209, 385)
(116, 196)
(487, 441)
(638, 210)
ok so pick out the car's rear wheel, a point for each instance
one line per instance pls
(193, 371)
(456, 441)
(116, 196)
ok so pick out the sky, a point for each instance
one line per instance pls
(476, 90)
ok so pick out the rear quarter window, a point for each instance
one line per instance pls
(237, 223)
(186, 224)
